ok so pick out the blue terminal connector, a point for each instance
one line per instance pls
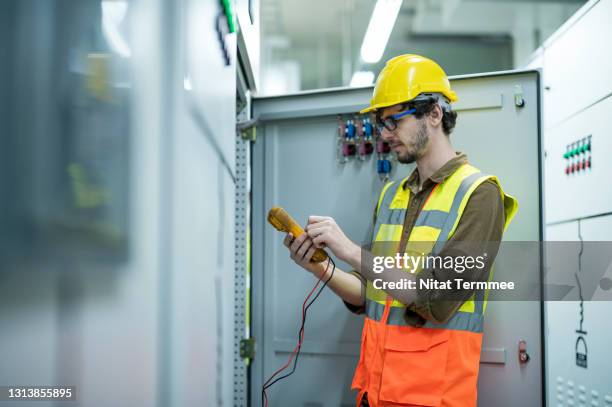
(368, 129)
(384, 166)
(350, 130)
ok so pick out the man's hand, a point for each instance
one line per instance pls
(325, 232)
(346, 285)
(302, 248)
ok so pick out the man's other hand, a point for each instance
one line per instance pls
(325, 232)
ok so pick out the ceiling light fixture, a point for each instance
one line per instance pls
(379, 29)
(113, 13)
(362, 78)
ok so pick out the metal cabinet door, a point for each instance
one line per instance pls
(294, 166)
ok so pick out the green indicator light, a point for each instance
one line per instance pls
(229, 13)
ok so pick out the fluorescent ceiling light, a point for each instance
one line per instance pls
(362, 78)
(113, 13)
(379, 29)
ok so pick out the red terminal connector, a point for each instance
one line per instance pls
(382, 147)
(348, 149)
(366, 148)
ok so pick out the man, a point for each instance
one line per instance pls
(420, 346)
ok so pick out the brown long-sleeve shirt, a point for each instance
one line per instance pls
(482, 221)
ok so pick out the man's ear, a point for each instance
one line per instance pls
(435, 116)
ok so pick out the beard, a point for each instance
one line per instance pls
(417, 148)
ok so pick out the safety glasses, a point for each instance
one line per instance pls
(390, 122)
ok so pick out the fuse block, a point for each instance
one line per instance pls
(358, 137)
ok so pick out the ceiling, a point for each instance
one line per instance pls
(316, 44)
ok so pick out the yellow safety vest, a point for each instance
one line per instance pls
(435, 224)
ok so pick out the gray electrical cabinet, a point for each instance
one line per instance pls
(294, 164)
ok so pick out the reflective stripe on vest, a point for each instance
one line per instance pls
(435, 224)
(461, 320)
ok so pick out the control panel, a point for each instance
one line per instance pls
(577, 168)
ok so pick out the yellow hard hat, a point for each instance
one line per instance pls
(406, 76)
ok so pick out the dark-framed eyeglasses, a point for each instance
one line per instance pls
(390, 122)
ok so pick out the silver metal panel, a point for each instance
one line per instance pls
(201, 192)
(155, 328)
(295, 167)
(303, 187)
(505, 141)
(579, 204)
(571, 189)
(590, 25)
(568, 383)
(69, 319)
